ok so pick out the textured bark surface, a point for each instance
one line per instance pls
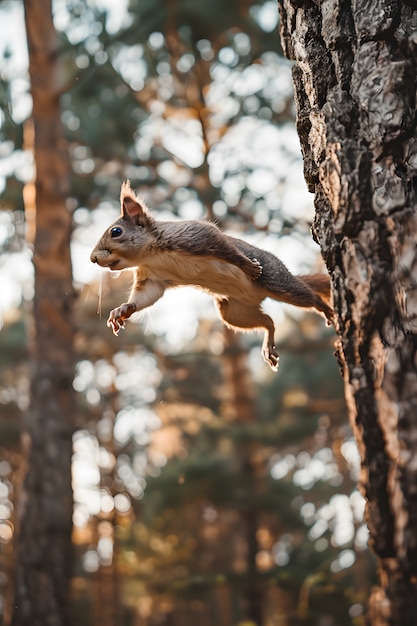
(355, 77)
(43, 542)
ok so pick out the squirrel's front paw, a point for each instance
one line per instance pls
(118, 316)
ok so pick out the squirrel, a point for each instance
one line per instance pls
(166, 254)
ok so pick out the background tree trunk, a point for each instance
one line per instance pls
(242, 410)
(355, 78)
(43, 544)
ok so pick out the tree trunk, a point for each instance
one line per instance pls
(242, 410)
(355, 78)
(43, 542)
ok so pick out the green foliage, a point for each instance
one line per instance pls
(216, 491)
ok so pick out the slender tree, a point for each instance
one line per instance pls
(43, 545)
(242, 410)
(355, 78)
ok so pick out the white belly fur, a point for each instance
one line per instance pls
(208, 273)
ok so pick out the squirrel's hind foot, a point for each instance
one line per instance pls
(271, 356)
(253, 268)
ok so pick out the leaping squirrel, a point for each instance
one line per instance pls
(166, 254)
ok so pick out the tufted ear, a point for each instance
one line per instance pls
(132, 206)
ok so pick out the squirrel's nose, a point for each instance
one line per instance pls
(93, 258)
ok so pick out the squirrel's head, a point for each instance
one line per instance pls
(126, 242)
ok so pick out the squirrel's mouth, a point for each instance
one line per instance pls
(112, 265)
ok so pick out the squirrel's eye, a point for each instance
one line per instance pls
(116, 231)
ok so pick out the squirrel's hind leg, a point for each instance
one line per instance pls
(240, 316)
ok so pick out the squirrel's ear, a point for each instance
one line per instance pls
(132, 207)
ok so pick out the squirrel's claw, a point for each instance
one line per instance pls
(115, 325)
(258, 266)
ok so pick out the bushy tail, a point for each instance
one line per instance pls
(320, 284)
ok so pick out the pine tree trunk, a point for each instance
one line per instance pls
(355, 79)
(242, 410)
(43, 542)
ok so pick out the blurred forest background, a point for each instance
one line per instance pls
(205, 487)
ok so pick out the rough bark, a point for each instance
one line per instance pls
(355, 78)
(43, 542)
